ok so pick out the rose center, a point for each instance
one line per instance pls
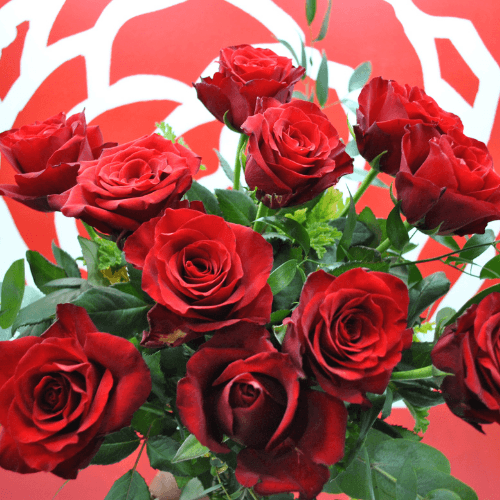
(243, 395)
(54, 395)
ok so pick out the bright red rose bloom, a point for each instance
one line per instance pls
(385, 109)
(239, 385)
(294, 153)
(349, 331)
(470, 348)
(44, 154)
(61, 393)
(130, 184)
(246, 73)
(447, 179)
(205, 273)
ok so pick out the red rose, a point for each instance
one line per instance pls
(385, 108)
(61, 393)
(245, 389)
(205, 273)
(470, 348)
(43, 155)
(246, 73)
(447, 179)
(349, 331)
(130, 184)
(294, 153)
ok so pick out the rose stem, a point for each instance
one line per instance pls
(387, 242)
(237, 163)
(262, 211)
(362, 188)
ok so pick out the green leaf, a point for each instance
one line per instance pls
(421, 416)
(113, 311)
(12, 293)
(360, 76)
(354, 480)
(280, 332)
(228, 124)
(44, 308)
(131, 486)
(65, 261)
(236, 206)
(322, 81)
(430, 479)
(116, 447)
(201, 193)
(350, 225)
(491, 270)
(90, 251)
(478, 239)
(293, 229)
(352, 149)
(289, 47)
(162, 449)
(158, 380)
(396, 230)
(426, 292)
(324, 25)
(190, 448)
(446, 241)
(225, 166)
(299, 95)
(43, 271)
(441, 494)
(406, 484)
(282, 276)
(279, 316)
(310, 11)
(194, 489)
(152, 420)
(303, 61)
(65, 283)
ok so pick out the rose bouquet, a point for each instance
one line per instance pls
(252, 341)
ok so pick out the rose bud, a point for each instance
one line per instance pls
(246, 73)
(385, 108)
(44, 154)
(294, 153)
(447, 181)
(470, 349)
(63, 392)
(130, 184)
(349, 331)
(238, 385)
(203, 272)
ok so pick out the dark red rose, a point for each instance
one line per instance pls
(385, 108)
(470, 348)
(246, 73)
(205, 273)
(43, 155)
(238, 385)
(130, 184)
(349, 331)
(447, 179)
(61, 393)
(294, 153)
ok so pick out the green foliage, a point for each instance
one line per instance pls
(12, 293)
(131, 486)
(116, 447)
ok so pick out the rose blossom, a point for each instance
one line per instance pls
(239, 385)
(43, 155)
(61, 393)
(349, 331)
(470, 348)
(294, 153)
(447, 180)
(385, 108)
(130, 184)
(205, 273)
(246, 73)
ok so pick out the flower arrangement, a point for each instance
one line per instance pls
(252, 341)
